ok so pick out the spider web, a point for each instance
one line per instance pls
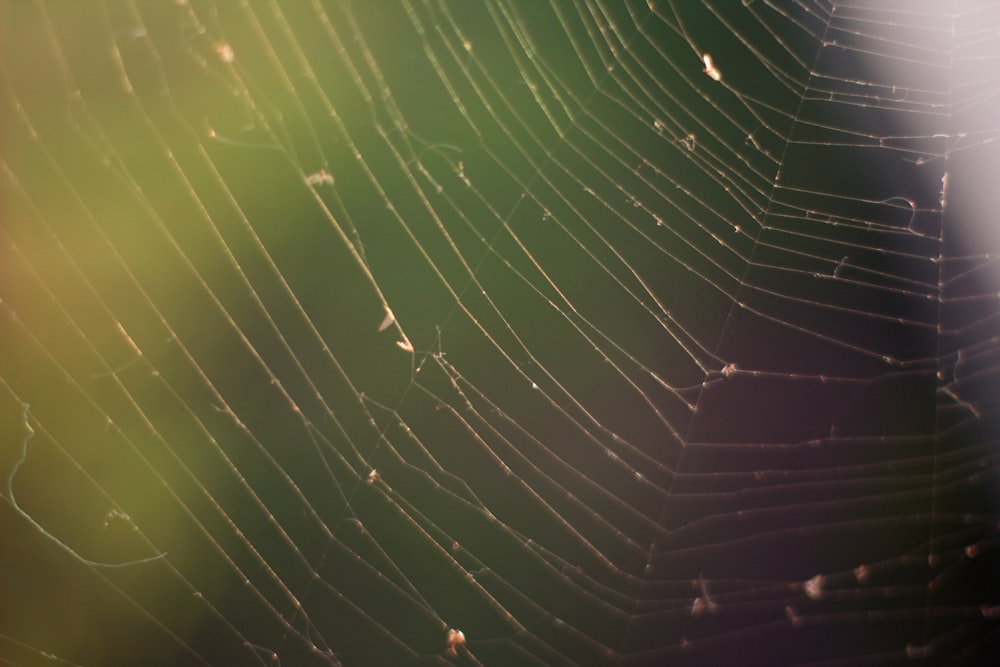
(626, 333)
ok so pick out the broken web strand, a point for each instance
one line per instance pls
(98, 566)
(30, 432)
